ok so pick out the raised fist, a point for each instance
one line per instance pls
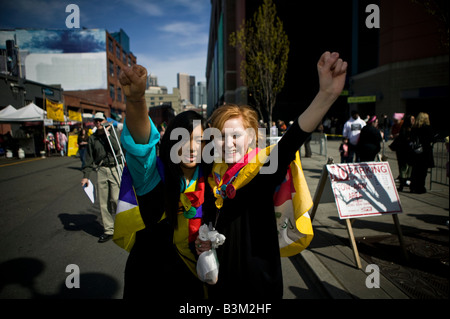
(134, 82)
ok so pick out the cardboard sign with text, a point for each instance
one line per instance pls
(364, 189)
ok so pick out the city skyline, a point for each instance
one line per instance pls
(167, 37)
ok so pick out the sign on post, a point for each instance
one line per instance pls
(364, 189)
(360, 190)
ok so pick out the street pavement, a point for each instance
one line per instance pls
(424, 224)
(47, 223)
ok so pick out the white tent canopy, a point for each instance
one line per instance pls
(7, 110)
(28, 113)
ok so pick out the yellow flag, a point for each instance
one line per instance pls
(72, 147)
(75, 116)
(55, 111)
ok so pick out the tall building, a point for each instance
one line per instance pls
(84, 62)
(152, 80)
(157, 96)
(308, 29)
(191, 89)
(186, 85)
(400, 67)
(409, 72)
(200, 95)
(183, 86)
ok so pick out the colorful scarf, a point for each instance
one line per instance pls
(189, 217)
(129, 221)
(292, 199)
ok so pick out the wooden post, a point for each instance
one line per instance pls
(400, 236)
(320, 188)
(351, 236)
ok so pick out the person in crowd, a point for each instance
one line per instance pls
(82, 142)
(250, 265)
(101, 158)
(343, 150)
(62, 141)
(369, 140)
(422, 160)
(398, 122)
(385, 125)
(307, 144)
(401, 145)
(281, 127)
(352, 130)
(170, 193)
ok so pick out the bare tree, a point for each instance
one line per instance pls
(265, 48)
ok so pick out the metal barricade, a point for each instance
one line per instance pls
(319, 144)
(439, 173)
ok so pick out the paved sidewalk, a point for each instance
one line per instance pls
(426, 234)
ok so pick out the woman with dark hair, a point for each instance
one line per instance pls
(170, 192)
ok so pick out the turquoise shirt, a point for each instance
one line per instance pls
(141, 160)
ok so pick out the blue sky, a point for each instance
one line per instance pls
(166, 36)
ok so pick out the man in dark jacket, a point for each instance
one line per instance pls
(100, 157)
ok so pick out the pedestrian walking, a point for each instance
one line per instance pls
(242, 203)
(343, 150)
(401, 146)
(82, 141)
(62, 143)
(101, 158)
(385, 125)
(352, 130)
(421, 152)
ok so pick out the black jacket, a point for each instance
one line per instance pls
(99, 152)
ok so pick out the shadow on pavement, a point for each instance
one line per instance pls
(23, 272)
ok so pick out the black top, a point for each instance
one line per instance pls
(423, 135)
(154, 269)
(369, 143)
(250, 265)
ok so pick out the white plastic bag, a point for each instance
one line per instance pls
(207, 264)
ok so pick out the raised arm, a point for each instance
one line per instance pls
(133, 80)
(332, 71)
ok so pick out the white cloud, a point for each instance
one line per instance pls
(147, 7)
(186, 33)
(193, 5)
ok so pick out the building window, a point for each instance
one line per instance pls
(119, 94)
(118, 52)
(111, 91)
(110, 45)
(118, 70)
(124, 58)
(111, 67)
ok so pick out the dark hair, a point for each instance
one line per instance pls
(173, 174)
